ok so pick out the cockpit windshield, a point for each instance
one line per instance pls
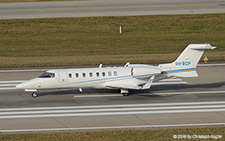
(47, 75)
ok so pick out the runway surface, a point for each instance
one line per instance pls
(169, 103)
(108, 8)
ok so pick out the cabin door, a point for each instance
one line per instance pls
(63, 76)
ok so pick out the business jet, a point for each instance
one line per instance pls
(128, 77)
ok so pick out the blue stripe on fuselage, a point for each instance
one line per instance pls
(180, 70)
(127, 76)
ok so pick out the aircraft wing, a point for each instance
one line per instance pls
(122, 85)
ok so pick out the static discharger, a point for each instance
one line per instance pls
(206, 59)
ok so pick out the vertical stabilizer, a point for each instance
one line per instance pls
(190, 57)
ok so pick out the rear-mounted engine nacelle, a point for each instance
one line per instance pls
(145, 71)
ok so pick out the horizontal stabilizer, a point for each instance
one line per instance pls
(202, 47)
(186, 74)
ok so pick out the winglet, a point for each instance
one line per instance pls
(100, 66)
(149, 83)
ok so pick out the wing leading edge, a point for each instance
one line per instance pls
(122, 86)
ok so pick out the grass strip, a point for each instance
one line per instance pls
(121, 135)
(94, 40)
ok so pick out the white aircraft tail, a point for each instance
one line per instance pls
(187, 60)
(190, 56)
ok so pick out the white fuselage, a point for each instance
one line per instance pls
(92, 77)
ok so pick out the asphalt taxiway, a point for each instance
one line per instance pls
(169, 104)
(108, 8)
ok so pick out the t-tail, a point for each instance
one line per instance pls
(185, 64)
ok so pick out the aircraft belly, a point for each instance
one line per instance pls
(82, 85)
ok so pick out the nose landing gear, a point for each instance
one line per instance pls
(34, 94)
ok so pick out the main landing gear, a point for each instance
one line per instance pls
(124, 92)
(34, 94)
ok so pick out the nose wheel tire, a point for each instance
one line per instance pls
(34, 94)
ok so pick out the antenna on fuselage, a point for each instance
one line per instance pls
(100, 66)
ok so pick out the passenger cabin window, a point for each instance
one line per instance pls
(90, 74)
(70, 75)
(115, 73)
(77, 75)
(47, 75)
(84, 75)
(110, 73)
(103, 73)
(97, 74)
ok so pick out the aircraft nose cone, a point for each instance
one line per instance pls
(20, 86)
(30, 84)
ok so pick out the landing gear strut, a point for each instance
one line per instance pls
(124, 92)
(34, 94)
